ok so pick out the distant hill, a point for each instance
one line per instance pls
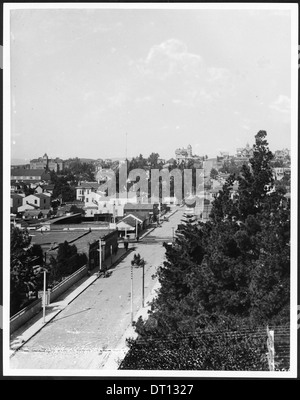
(19, 161)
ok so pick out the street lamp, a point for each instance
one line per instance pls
(44, 296)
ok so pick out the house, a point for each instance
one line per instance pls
(282, 154)
(183, 154)
(36, 201)
(96, 204)
(142, 208)
(38, 189)
(48, 189)
(16, 201)
(36, 214)
(84, 189)
(244, 152)
(279, 172)
(17, 187)
(29, 175)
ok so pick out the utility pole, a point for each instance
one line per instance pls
(44, 297)
(143, 283)
(114, 213)
(131, 294)
(100, 255)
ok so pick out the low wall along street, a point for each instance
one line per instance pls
(62, 286)
(24, 315)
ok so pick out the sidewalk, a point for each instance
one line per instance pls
(35, 324)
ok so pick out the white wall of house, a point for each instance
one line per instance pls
(41, 202)
(82, 192)
(25, 207)
(114, 206)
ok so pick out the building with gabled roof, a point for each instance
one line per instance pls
(35, 201)
(85, 188)
(16, 201)
(29, 175)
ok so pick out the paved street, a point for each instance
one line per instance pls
(89, 329)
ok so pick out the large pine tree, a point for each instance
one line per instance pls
(232, 271)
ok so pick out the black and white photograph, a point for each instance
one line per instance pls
(150, 191)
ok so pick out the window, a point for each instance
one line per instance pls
(35, 201)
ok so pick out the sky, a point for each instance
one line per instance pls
(106, 83)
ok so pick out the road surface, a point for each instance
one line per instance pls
(84, 334)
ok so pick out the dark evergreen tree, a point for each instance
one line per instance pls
(23, 258)
(67, 261)
(228, 273)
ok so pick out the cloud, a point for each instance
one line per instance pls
(171, 58)
(282, 104)
(173, 71)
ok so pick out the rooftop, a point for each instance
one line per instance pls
(63, 218)
(87, 185)
(139, 206)
(28, 172)
(81, 239)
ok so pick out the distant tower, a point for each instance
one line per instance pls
(189, 150)
(45, 161)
